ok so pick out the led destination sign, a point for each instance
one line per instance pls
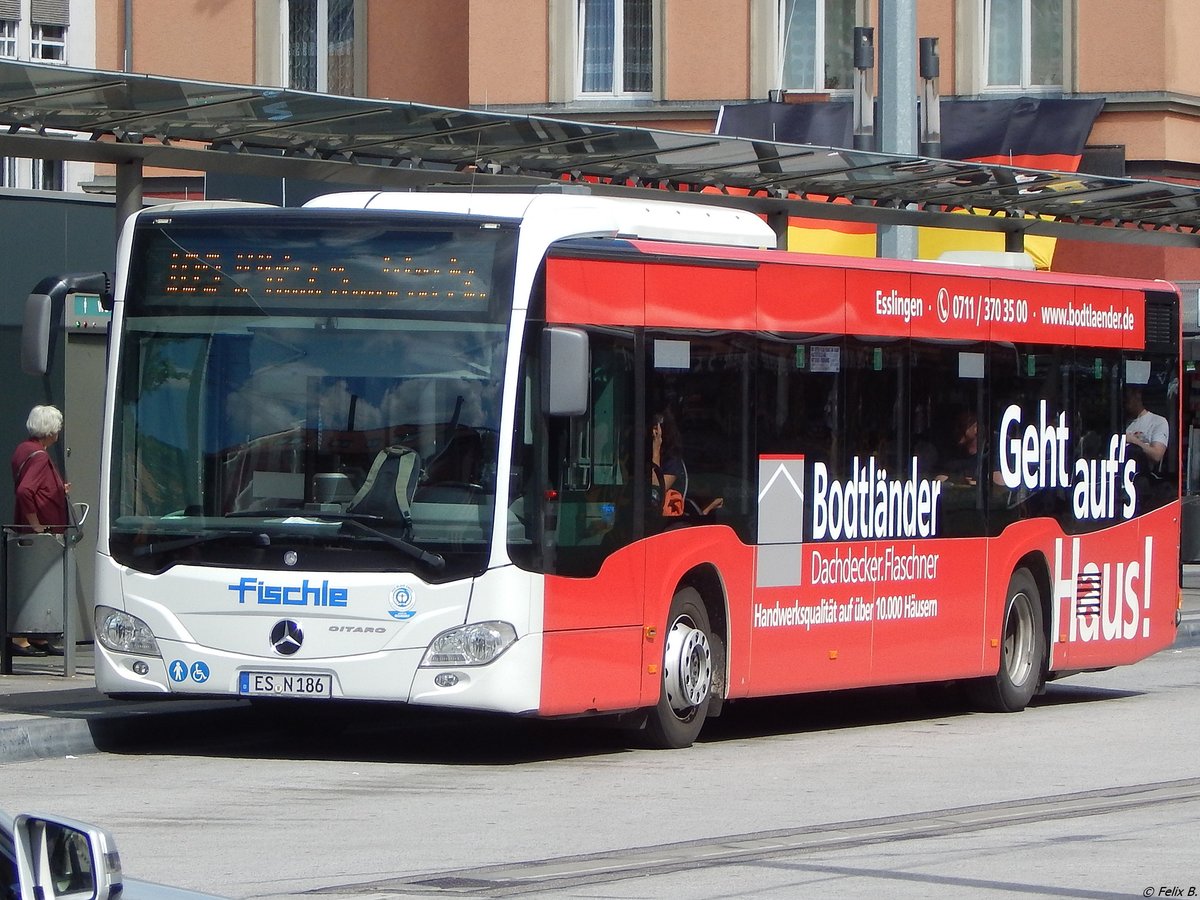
(273, 264)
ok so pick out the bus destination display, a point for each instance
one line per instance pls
(295, 268)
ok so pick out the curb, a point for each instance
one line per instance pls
(44, 738)
(139, 728)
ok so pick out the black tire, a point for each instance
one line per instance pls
(1022, 650)
(687, 675)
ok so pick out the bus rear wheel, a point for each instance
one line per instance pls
(1022, 649)
(687, 674)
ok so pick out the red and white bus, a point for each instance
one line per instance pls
(398, 447)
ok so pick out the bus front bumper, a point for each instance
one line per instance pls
(510, 683)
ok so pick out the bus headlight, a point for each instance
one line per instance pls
(124, 633)
(471, 645)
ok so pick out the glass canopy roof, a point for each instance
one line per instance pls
(65, 113)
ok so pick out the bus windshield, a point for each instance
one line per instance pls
(289, 389)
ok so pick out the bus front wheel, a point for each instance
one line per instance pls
(1022, 649)
(687, 674)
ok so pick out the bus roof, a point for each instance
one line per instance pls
(577, 215)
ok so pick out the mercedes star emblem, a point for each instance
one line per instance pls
(286, 637)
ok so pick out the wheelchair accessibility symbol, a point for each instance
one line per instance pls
(199, 672)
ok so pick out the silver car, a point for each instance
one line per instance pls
(50, 857)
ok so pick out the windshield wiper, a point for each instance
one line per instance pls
(435, 561)
(259, 540)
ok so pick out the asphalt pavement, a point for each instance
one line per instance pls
(45, 714)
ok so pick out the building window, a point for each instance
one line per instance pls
(48, 43)
(320, 45)
(8, 38)
(1023, 43)
(816, 45)
(616, 47)
(47, 175)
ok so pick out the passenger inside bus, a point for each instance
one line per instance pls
(1148, 436)
(1148, 433)
(668, 472)
(962, 461)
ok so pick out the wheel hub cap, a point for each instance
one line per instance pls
(688, 662)
(1018, 641)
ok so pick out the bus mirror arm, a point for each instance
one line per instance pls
(41, 305)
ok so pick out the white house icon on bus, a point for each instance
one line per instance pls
(780, 520)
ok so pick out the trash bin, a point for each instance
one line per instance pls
(39, 581)
(37, 567)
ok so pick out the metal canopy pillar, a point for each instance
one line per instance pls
(129, 191)
(898, 105)
(779, 224)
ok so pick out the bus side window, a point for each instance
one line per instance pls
(705, 383)
(1151, 380)
(1029, 381)
(873, 424)
(950, 429)
(798, 389)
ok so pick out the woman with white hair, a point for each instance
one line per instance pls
(41, 495)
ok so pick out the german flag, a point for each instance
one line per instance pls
(1026, 132)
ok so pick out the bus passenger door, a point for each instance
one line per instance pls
(595, 570)
(828, 415)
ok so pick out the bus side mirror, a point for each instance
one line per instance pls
(36, 336)
(64, 858)
(568, 370)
